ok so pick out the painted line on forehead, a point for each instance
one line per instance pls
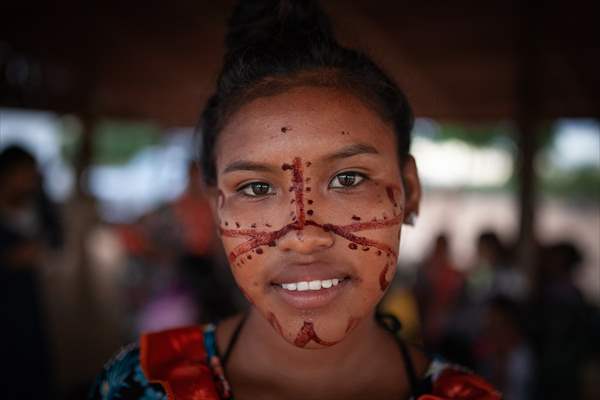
(298, 185)
(307, 333)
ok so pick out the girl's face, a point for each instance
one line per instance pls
(310, 205)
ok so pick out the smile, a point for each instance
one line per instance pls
(311, 285)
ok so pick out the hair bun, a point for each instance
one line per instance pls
(270, 24)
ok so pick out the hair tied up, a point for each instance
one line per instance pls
(266, 24)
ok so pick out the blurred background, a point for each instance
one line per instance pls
(105, 230)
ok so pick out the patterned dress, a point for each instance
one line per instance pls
(184, 364)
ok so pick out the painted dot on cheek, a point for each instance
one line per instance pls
(310, 201)
(356, 218)
(237, 224)
(353, 246)
(259, 251)
(253, 225)
(310, 212)
(249, 257)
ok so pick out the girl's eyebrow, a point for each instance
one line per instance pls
(350, 151)
(245, 165)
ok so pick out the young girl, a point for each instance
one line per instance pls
(305, 148)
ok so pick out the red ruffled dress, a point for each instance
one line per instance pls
(184, 364)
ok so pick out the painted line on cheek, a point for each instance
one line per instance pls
(274, 323)
(352, 322)
(261, 238)
(383, 282)
(358, 240)
(390, 193)
(374, 224)
(257, 239)
(307, 333)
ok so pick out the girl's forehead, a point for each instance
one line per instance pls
(303, 121)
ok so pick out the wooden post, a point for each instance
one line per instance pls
(527, 121)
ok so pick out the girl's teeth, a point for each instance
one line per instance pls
(312, 285)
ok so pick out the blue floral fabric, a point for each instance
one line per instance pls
(123, 378)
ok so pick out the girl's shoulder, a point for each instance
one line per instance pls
(168, 364)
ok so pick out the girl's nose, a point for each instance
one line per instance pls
(309, 239)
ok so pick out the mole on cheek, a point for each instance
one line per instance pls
(356, 218)
(237, 224)
(310, 201)
(310, 212)
(353, 246)
(259, 251)
(285, 129)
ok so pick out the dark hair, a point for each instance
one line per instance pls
(273, 46)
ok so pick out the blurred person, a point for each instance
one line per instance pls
(564, 327)
(504, 354)
(173, 274)
(494, 274)
(438, 287)
(305, 151)
(28, 226)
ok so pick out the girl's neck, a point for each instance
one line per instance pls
(261, 356)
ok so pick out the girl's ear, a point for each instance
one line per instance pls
(412, 187)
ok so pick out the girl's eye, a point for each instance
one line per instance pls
(255, 189)
(346, 180)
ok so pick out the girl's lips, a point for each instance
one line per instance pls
(310, 299)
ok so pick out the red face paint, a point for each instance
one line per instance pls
(274, 323)
(390, 192)
(383, 283)
(352, 322)
(307, 333)
(261, 238)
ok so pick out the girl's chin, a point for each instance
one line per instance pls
(312, 332)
